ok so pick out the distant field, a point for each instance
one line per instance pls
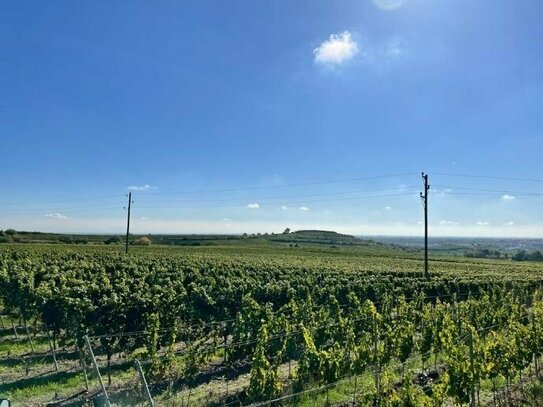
(252, 319)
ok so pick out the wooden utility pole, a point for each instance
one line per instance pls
(424, 198)
(128, 219)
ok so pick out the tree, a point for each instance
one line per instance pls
(65, 239)
(113, 240)
(287, 231)
(142, 241)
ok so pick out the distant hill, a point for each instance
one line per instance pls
(319, 237)
(305, 237)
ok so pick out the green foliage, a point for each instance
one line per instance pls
(332, 313)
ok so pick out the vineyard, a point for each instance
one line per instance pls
(270, 325)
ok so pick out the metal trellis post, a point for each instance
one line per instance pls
(144, 383)
(86, 338)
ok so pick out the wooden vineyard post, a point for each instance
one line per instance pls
(355, 388)
(376, 359)
(54, 354)
(2, 320)
(472, 384)
(84, 367)
(144, 383)
(86, 338)
(28, 334)
(14, 329)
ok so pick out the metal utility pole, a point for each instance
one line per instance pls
(128, 219)
(424, 198)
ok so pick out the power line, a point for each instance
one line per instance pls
(401, 188)
(499, 191)
(110, 197)
(300, 202)
(445, 174)
(336, 181)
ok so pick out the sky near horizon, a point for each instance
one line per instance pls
(253, 116)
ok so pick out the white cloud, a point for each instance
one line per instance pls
(145, 187)
(507, 197)
(510, 223)
(253, 206)
(388, 4)
(481, 223)
(144, 218)
(284, 208)
(226, 219)
(304, 208)
(336, 49)
(56, 215)
(449, 222)
(387, 208)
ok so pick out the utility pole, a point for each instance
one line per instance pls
(424, 198)
(128, 219)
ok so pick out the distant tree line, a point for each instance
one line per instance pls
(486, 254)
(523, 255)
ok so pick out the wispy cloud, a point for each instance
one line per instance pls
(56, 215)
(145, 187)
(144, 218)
(510, 223)
(449, 223)
(284, 208)
(304, 208)
(388, 4)
(507, 197)
(481, 223)
(395, 47)
(387, 208)
(337, 49)
(253, 206)
(383, 54)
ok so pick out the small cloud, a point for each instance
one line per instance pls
(419, 222)
(226, 219)
(253, 206)
(507, 197)
(395, 47)
(388, 5)
(449, 223)
(481, 223)
(144, 218)
(510, 223)
(145, 187)
(56, 215)
(304, 208)
(284, 208)
(387, 208)
(336, 49)
(440, 191)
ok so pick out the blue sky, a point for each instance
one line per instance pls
(208, 108)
